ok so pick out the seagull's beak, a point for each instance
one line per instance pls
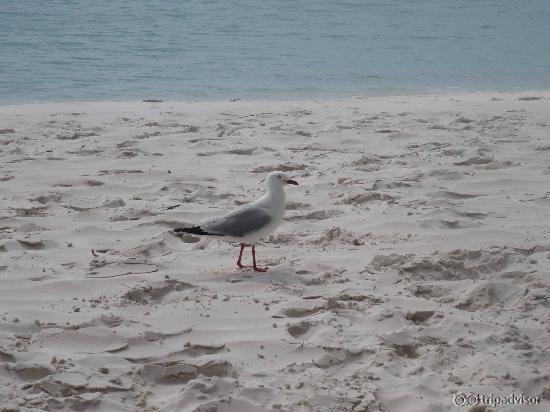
(292, 182)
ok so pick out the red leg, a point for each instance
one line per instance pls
(256, 268)
(240, 256)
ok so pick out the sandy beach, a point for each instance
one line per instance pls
(413, 262)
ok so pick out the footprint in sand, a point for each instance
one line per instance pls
(238, 152)
(74, 135)
(444, 174)
(85, 340)
(402, 344)
(26, 244)
(447, 194)
(197, 350)
(128, 154)
(170, 372)
(317, 215)
(459, 264)
(154, 291)
(299, 329)
(288, 167)
(119, 171)
(488, 294)
(146, 135)
(79, 182)
(419, 316)
(449, 224)
(51, 197)
(85, 152)
(39, 211)
(132, 214)
(362, 198)
(36, 244)
(485, 163)
(31, 371)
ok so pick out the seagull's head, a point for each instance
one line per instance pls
(279, 180)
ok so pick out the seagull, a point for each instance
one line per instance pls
(251, 222)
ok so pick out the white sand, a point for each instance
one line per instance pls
(413, 262)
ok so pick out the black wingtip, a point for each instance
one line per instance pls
(197, 230)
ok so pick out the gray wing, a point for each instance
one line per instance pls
(239, 223)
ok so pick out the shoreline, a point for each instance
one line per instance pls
(463, 94)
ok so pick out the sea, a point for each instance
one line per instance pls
(202, 50)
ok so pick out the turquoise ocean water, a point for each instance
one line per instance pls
(73, 50)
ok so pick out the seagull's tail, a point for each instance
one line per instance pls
(197, 230)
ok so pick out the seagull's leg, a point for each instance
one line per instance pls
(239, 264)
(256, 268)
